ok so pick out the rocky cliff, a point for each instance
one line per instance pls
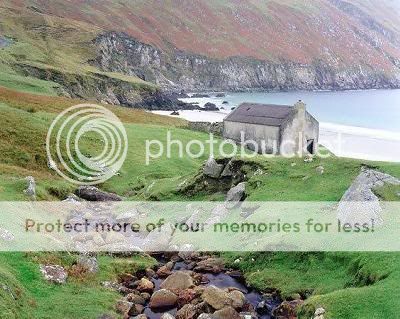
(118, 52)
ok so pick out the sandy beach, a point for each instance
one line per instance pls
(342, 140)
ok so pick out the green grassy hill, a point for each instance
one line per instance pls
(348, 285)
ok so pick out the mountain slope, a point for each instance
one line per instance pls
(289, 44)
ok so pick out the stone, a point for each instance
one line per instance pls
(54, 273)
(163, 299)
(144, 285)
(158, 239)
(141, 316)
(105, 316)
(123, 306)
(167, 316)
(177, 282)
(186, 250)
(210, 107)
(165, 270)
(220, 95)
(235, 195)
(319, 313)
(176, 113)
(136, 299)
(94, 194)
(238, 299)
(150, 273)
(89, 263)
(31, 187)
(214, 265)
(72, 198)
(186, 296)
(191, 311)
(287, 309)
(218, 213)
(128, 216)
(228, 170)
(205, 316)
(320, 170)
(135, 310)
(98, 239)
(145, 295)
(113, 237)
(212, 168)
(216, 297)
(226, 313)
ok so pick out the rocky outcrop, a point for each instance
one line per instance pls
(94, 194)
(119, 52)
(54, 273)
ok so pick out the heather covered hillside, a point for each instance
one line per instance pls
(290, 44)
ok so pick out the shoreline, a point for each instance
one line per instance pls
(342, 140)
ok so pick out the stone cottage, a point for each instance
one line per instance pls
(273, 129)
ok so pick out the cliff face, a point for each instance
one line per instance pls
(118, 52)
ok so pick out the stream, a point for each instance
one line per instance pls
(221, 280)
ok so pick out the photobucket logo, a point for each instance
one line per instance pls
(296, 146)
(65, 140)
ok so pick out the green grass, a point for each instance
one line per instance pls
(80, 298)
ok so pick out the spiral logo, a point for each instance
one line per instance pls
(78, 132)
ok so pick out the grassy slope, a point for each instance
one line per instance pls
(248, 28)
(335, 279)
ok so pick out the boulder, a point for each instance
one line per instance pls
(226, 313)
(235, 195)
(158, 239)
(88, 263)
(136, 310)
(165, 270)
(216, 297)
(186, 296)
(220, 95)
(94, 194)
(31, 186)
(228, 170)
(205, 316)
(177, 282)
(214, 265)
(123, 306)
(54, 273)
(113, 237)
(150, 273)
(320, 170)
(136, 299)
(191, 311)
(225, 102)
(210, 107)
(319, 313)
(212, 168)
(128, 216)
(167, 316)
(144, 285)
(163, 299)
(238, 299)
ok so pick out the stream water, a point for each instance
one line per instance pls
(222, 280)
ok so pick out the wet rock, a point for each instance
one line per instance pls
(235, 195)
(94, 194)
(287, 309)
(150, 273)
(54, 273)
(220, 95)
(212, 168)
(216, 297)
(186, 296)
(200, 95)
(214, 265)
(191, 311)
(123, 306)
(135, 310)
(163, 299)
(177, 282)
(238, 299)
(165, 270)
(136, 299)
(88, 263)
(319, 313)
(144, 285)
(226, 313)
(320, 170)
(146, 296)
(31, 186)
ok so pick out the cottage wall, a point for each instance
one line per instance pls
(254, 132)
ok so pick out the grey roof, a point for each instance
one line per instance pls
(264, 114)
